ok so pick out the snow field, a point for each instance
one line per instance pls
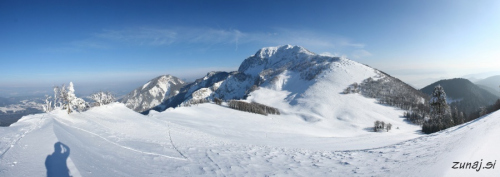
(107, 141)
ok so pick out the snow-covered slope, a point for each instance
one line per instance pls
(153, 93)
(210, 140)
(303, 84)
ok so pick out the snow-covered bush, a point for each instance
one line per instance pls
(79, 104)
(102, 98)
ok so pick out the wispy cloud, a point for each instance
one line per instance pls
(165, 37)
(168, 36)
(141, 36)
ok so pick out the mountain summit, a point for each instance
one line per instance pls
(272, 60)
(153, 93)
(268, 67)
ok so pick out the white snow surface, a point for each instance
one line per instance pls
(211, 140)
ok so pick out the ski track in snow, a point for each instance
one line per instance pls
(214, 163)
(124, 147)
(172, 142)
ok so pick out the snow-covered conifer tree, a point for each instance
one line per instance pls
(70, 96)
(63, 96)
(439, 106)
(57, 99)
(48, 104)
(70, 100)
(440, 112)
(71, 92)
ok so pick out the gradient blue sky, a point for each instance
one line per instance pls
(122, 44)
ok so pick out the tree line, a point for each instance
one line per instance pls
(393, 92)
(253, 107)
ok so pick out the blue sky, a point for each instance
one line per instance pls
(122, 44)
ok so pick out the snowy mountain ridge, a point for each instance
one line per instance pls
(153, 93)
(301, 84)
(274, 60)
(266, 67)
(297, 82)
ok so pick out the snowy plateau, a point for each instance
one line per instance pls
(320, 132)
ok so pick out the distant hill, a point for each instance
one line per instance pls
(463, 94)
(489, 89)
(493, 83)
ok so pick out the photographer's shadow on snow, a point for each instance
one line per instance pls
(56, 162)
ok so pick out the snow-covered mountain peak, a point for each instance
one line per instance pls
(161, 84)
(269, 52)
(287, 67)
(167, 79)
(153, 93)
(268, 61)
